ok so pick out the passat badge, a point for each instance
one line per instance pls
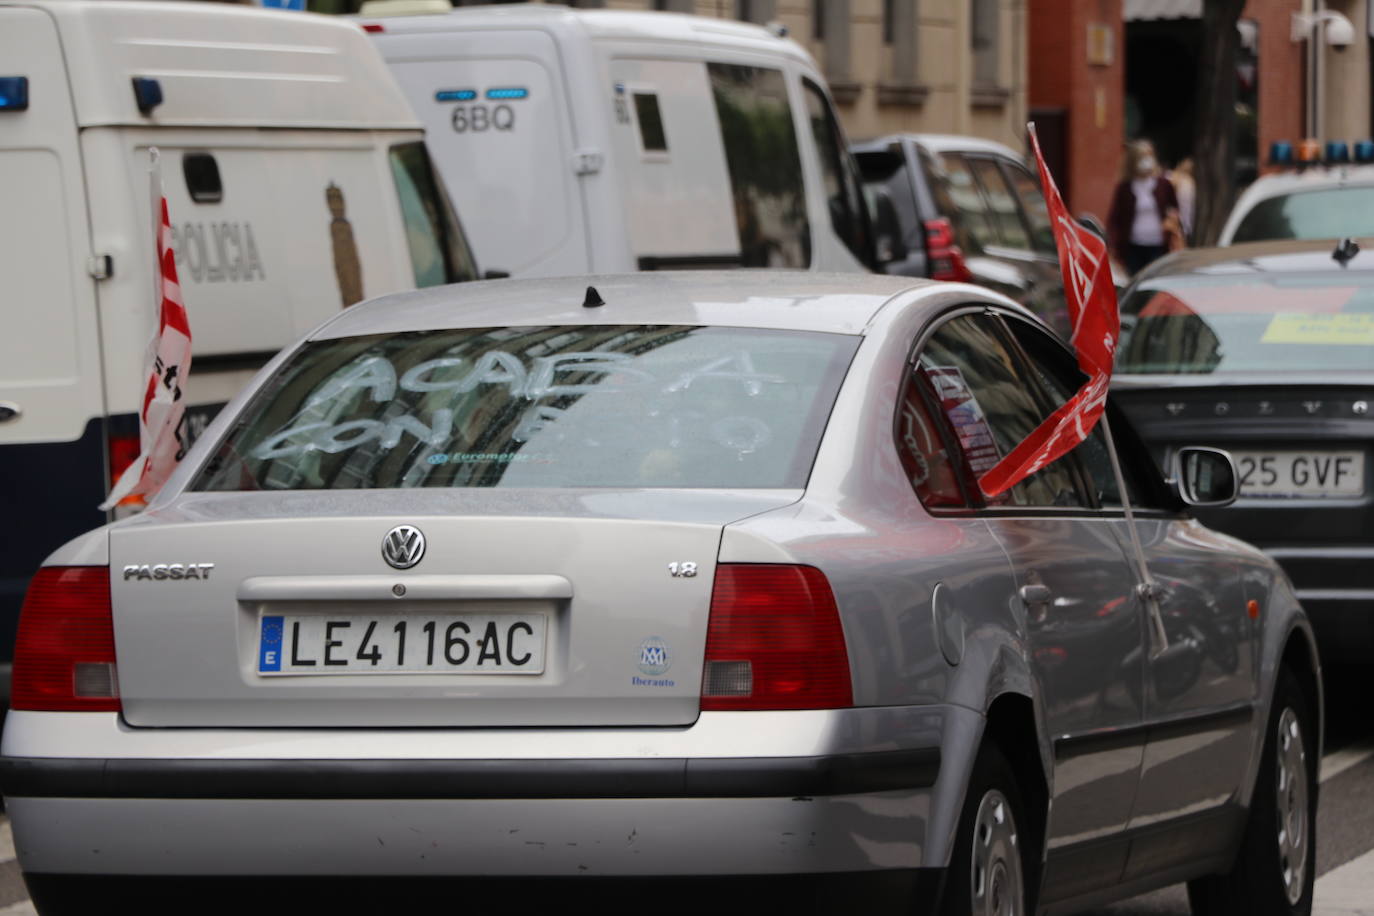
(403, 546)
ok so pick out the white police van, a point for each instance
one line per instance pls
(579, 141)
(297, 182)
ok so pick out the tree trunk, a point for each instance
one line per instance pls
(1215, 136)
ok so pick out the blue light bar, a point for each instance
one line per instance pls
(1364, 151)
(1337, 151)
(508, 93)
(455, 95)
(1281, 153)
(14, 93)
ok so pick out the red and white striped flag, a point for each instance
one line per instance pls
(1096, 322)
(162, 434)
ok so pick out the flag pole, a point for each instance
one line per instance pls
(155, 209)
(1147, 588)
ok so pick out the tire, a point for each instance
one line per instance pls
(987, 869)
(1276, 865)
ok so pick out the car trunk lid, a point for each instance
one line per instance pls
(610, 590)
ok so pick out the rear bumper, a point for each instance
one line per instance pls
(1336, 589)
(569, 778)
(224, 807)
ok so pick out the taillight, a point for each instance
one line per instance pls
(123, 451)
(774, 641)
(945, 259)
(64, 657)
(373, 27)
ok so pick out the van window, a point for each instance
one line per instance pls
(765, 165)
(652, 137)
(847, 212)
(438, 249)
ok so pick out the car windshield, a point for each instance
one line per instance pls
(1249, 323)
(1332, 213)
(572, 406)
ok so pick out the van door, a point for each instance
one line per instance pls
(49, 362)
(496, 121)
(675, 183)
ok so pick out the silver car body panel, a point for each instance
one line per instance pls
(627, 836)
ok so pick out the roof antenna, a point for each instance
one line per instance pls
(1346, 249)
(593, 299)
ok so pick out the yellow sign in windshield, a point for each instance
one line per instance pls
(1293, 328)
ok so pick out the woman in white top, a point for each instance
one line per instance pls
(1144, 209)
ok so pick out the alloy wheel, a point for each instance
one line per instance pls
(998, 888)
(1291, 784)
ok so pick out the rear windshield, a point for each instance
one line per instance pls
(1330, 214)
(578, 406)
(1285, 323)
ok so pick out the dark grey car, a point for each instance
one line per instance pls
(1267, 350)
(962, 208)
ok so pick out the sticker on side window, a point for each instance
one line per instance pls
(966, 416)
(1298, 328)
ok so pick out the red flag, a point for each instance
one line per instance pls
(161, 433)
(1096, 327)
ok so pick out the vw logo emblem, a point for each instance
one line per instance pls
(403, 546)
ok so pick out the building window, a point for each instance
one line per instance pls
(986, 16)
(818, 19)
(754, 10)
(899, 31)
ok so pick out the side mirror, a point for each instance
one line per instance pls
(887, 230)
(1092, 224)
(1205, 477)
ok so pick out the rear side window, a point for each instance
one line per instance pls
(575, 406)
(957, 195)
(848, 213)
(1328, 214)
(439, 251)
(765, 166)
(1033, 206)
(991, 404)
(1006, 214)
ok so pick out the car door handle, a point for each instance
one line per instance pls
(9, 411)
(1035, 594)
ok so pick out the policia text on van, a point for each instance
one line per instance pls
(298, 184)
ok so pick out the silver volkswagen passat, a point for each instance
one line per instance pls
(671, 579)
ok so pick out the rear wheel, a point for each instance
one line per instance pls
(987, 868)
(1275, 868)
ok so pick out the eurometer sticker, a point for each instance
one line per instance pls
(1320, 329)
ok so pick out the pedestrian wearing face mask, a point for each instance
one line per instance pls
(1144, 210)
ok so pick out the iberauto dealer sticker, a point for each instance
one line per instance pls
(654, 660)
